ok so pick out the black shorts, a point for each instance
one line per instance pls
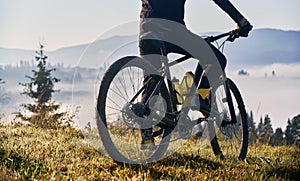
(149, 46)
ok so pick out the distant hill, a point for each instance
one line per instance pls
(262, 47)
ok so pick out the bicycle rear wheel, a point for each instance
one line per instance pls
(229, 140)
(119, 127)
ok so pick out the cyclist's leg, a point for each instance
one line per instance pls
(205, 87)
(148, 50)
(216, 69)
(221, 62)
(150, 47)
(221, 58)
(177, 34)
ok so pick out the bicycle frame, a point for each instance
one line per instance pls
(199, 72)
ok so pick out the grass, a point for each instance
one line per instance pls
(29, 153)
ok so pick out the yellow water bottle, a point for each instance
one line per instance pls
(187, 83)
(177, 90)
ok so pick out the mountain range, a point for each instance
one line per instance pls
(262, 47)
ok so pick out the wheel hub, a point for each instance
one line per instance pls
(140, 110)
(136, 115)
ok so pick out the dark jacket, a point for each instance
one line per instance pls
(166, 9)
(174, 9)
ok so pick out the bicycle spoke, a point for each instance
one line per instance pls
(119, 94)
(118, 105)
(132, 83)
(122, 82)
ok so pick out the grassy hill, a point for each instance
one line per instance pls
(33, 153)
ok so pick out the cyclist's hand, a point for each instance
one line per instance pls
(243, 28)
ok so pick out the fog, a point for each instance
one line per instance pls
(277, 95)
(263, 93)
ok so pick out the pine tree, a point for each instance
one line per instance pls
(41, 84)
(266, 130)
(292, 132)
(289, 133)
(260, 126)
(44, 112)
(252, 129)
(277, 138)
(2, 95)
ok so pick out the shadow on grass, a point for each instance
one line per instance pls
(189, 161)
(285, 173)
(165, 168)
(15, 163)
(273, 168)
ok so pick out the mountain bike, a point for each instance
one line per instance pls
(121, 114)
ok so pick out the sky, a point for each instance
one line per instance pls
(60, 23)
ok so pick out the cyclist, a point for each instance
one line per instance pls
(159, 34)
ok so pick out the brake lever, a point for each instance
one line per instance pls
(233, 35)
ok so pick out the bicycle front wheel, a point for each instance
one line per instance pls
(119, 127)
(229, 139)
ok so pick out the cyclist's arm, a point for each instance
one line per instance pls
(243, 25)
(226, 6)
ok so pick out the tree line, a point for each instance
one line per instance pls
(264, 133)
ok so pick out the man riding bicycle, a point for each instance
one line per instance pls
(163, 31)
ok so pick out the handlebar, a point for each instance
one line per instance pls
(232, 35)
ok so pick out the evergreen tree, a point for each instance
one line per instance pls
(292, 132)
(260, 126)
(2, 95)
(266, 130)
(277, 138)
(289, 133)
(251, 127)
(44, 112)
(41, 84)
